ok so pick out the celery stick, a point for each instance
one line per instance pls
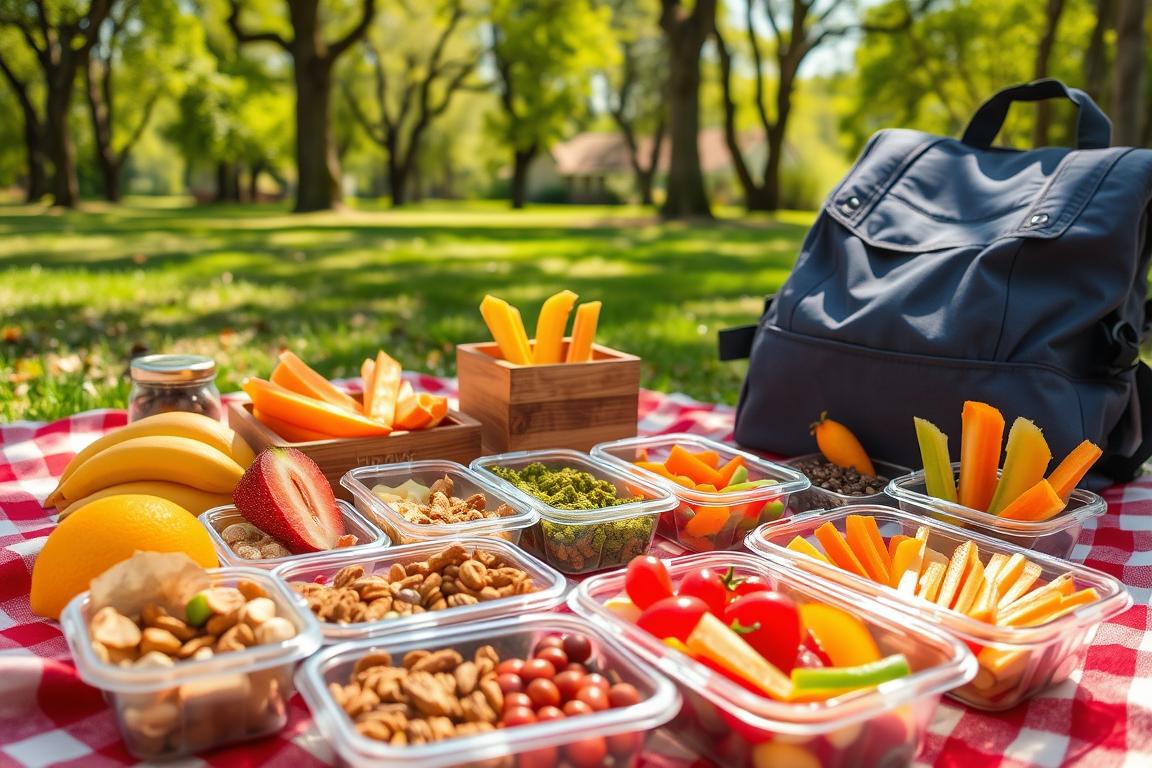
(939, 479)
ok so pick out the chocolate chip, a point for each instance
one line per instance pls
(843, 480)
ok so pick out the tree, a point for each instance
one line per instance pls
(636, 88)
(684, 35)
(19, 74)
(1096, 57)
(1052, 14)
(1129, 98)
(545, 53)
(61, 35)
(313, 58)
(412, 89)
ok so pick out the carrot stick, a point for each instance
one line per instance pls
(550, 327)
(583, 332)
(865, 550)
(1036, 504)
(729, 469)
(681, 462)
(838, 550)
(980, 441)
(711, 458)
(1072, 470)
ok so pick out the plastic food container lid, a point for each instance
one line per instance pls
(372, 537)
(359, 482)
(115, 679)
(788, 480)
(1082, 505)
(551, 585)
(658, 498)
(1114, 597)
(800, 719)
(658, 708)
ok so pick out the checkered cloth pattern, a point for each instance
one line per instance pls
(1102, 716)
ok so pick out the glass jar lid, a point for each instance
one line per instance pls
(173, 369)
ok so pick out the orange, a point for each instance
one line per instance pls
(102, 533)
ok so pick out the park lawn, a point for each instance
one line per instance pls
(81, 291)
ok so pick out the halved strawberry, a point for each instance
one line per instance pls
(284, 494)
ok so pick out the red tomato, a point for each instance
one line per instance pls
(745, 585)
(707, 584)
(551, 641)
(510, 683)
(517, 699)
(536, 668)
(553, 655)
(577, 647)
(646, 581)
(595, 697)
(770, 623)
(543, 693)
(812, 648)
(625, 743)
(545, 757)
(576, 707)
(576, 667)
(673, 617)
(544, 714)
(517, 716)
(569, 682)
(597, 680)
(623, 695)
(587, 753)
(511, 666)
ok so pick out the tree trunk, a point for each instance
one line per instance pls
(521, 160)
(64, 187)
(686, 196)
(1043, 121)
(99, 110)
(397, 182)
(227, 182)
(37, 177)
(1128, 94)
(318, 186)
(1096, 57)
(254, 181)
(645, 177)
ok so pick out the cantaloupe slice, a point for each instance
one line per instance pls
(973, 582)
(1026, 460)
(314, 415)
(838, 550)
(422, 411)
(294, 374)
(980, 442)
(1072, 470)
(289, 431)
(930, 580)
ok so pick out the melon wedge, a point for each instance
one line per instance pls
(280, 403)
(294, 374)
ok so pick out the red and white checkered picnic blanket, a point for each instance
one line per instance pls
(1102, 716)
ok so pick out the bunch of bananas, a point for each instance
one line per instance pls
(189, 459)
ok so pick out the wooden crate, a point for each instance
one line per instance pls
(525, 407)
(457, 438)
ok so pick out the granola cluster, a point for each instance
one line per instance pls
(451, 578)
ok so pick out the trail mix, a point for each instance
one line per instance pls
(216, 620)
(438, 504)
(564, 487)
(449, 579)
(435, 695)
(843, 480)
(250, 543)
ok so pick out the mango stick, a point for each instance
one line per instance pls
(1038, 503)
(1028, 576)
(507, 329)
(550, 327)
(583, 332)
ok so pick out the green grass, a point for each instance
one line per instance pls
(80, 291)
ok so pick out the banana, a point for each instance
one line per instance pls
(192, 499)
(175, 424)
(170, 459)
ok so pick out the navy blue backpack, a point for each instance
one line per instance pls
(941, 271)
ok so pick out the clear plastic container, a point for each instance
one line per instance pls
(361, 480)
(217, 519)
(1056, 536)
(584, 540)
(1015, 662)
(194, 706)
(704, 521)
(735, 727)
(520, 747)
(550, 585)
(816, 497)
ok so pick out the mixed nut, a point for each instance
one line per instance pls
(438, 504)
(250, 543)
(450, 578)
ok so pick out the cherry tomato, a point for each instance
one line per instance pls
(510, 666)
(745, 585)
(510, 683)
(569, 682)
(517, 699)
(623, 695)
(575, 667)
(577, 647)
(543, 692)
(545, 757)
(554, 655)
(544, 714)
(707, 584)
(594, 696)
(673, 617)
(517, 716)
(534, 668)
(551, 641)
(812, 648)
(587, 753)
(770, 623)
(646, 581)
(577, 707)
(596, 680)
(625, 743)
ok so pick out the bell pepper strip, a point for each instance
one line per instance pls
(1019, 587)
(1038, 503)
(729, 470)
(984, 605)
(842, 636)
(1061, 586)
(973, 582)
(894, 542)
(1071, 470)
(707, 521)
(1026, 461)
(906, 565)
(550, 327)
(928, 587)
(958, 568)
(1071, 602)
(840, 446)
(838, 550)
(939, 480)
(583, 332)
(507, 329)
(804, 547)
(871, 557)
(681, 462)
(980, 442)
(833, 681)
(711, 458)
(712, 639)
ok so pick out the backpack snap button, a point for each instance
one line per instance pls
(1038, 220)
(852, 203)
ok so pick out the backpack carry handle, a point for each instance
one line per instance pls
(1093, 129)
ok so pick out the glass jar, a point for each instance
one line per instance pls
(163, 383)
